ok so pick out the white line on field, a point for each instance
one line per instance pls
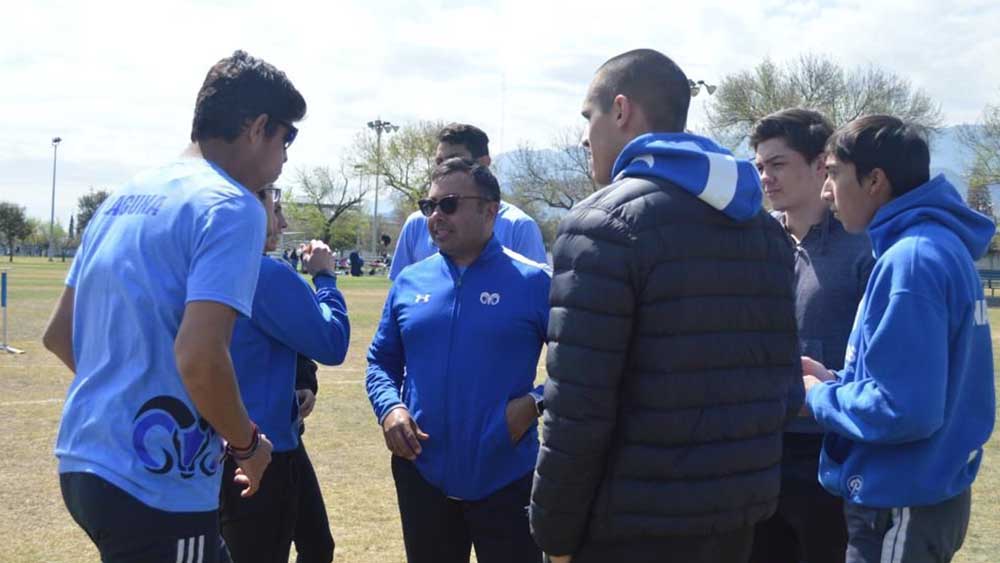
(53, 401)
(35, 402)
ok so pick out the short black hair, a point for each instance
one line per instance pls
(805, 131)
(481, 175)
(240, 88)
(651, 80)
(469, 136)
(898, 148)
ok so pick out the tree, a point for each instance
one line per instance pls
(978, 198)
(39, 237)
(87, 205)
(14, 226)
(983, 141)
(407, 158)
(815, 82)
(330, 195)
(556, 178)
(72, 228)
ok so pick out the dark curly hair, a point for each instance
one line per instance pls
(238, 89)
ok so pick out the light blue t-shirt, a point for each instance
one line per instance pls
(179, 233)
(513, 228)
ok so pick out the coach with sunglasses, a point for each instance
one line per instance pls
(514, 228)
(451, 378)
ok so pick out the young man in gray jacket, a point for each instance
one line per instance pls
(831, 269)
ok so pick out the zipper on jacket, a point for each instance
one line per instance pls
(456, 305)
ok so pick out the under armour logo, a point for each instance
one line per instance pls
(425, 298)
(487, 298)
(854, 485)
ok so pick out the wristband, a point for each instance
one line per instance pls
(242, 454)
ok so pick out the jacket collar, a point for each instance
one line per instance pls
(492, 249)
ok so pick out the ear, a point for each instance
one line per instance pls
(622, 110)
(492, 209)
(255, 130)
(877, 185)
(485, 160)
(819, 164)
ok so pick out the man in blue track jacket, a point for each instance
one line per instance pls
(451, 373)
(514, 228)
(908, 415)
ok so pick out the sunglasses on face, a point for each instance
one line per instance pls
(293, 132)
(448, 204)
(273, 193)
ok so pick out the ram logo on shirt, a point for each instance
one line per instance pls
(487, 298)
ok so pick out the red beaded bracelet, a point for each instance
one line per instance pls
(241, 454)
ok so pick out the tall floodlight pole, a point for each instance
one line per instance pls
(52, 213)
(380, 127)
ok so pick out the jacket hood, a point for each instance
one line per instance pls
(695, 164)
(936, 201)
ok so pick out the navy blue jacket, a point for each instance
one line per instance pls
(468, 342)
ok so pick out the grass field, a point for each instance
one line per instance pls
(343, 440)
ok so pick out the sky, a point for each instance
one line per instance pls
(117, 80)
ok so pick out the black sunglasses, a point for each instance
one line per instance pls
(275, 193)
(293, 132)
(448, 204)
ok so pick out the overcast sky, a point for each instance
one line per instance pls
(117, 80)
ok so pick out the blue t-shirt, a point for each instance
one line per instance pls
(183, 232)
(513, 228)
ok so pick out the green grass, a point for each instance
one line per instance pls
(343, 439)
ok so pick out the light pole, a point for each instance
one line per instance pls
(52, 213)
(696, 87)
(380, 127)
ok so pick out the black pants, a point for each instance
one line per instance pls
(312, 537)
(126, 530)
(437, 529)
(260, 529)
(913, 534)
(729, 547)
(809, 523)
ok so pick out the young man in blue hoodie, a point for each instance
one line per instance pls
(908, 415)
(451, 373)
(673, 360)
(289, 319)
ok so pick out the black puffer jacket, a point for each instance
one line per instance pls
(672, 365)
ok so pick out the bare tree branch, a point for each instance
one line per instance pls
(815, 82)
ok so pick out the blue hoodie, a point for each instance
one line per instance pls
(913, 406)
(468, 343)
(288, 319)
(697, 165)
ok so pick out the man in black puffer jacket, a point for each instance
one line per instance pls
(673, 361)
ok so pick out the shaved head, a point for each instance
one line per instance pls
(650, 80)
